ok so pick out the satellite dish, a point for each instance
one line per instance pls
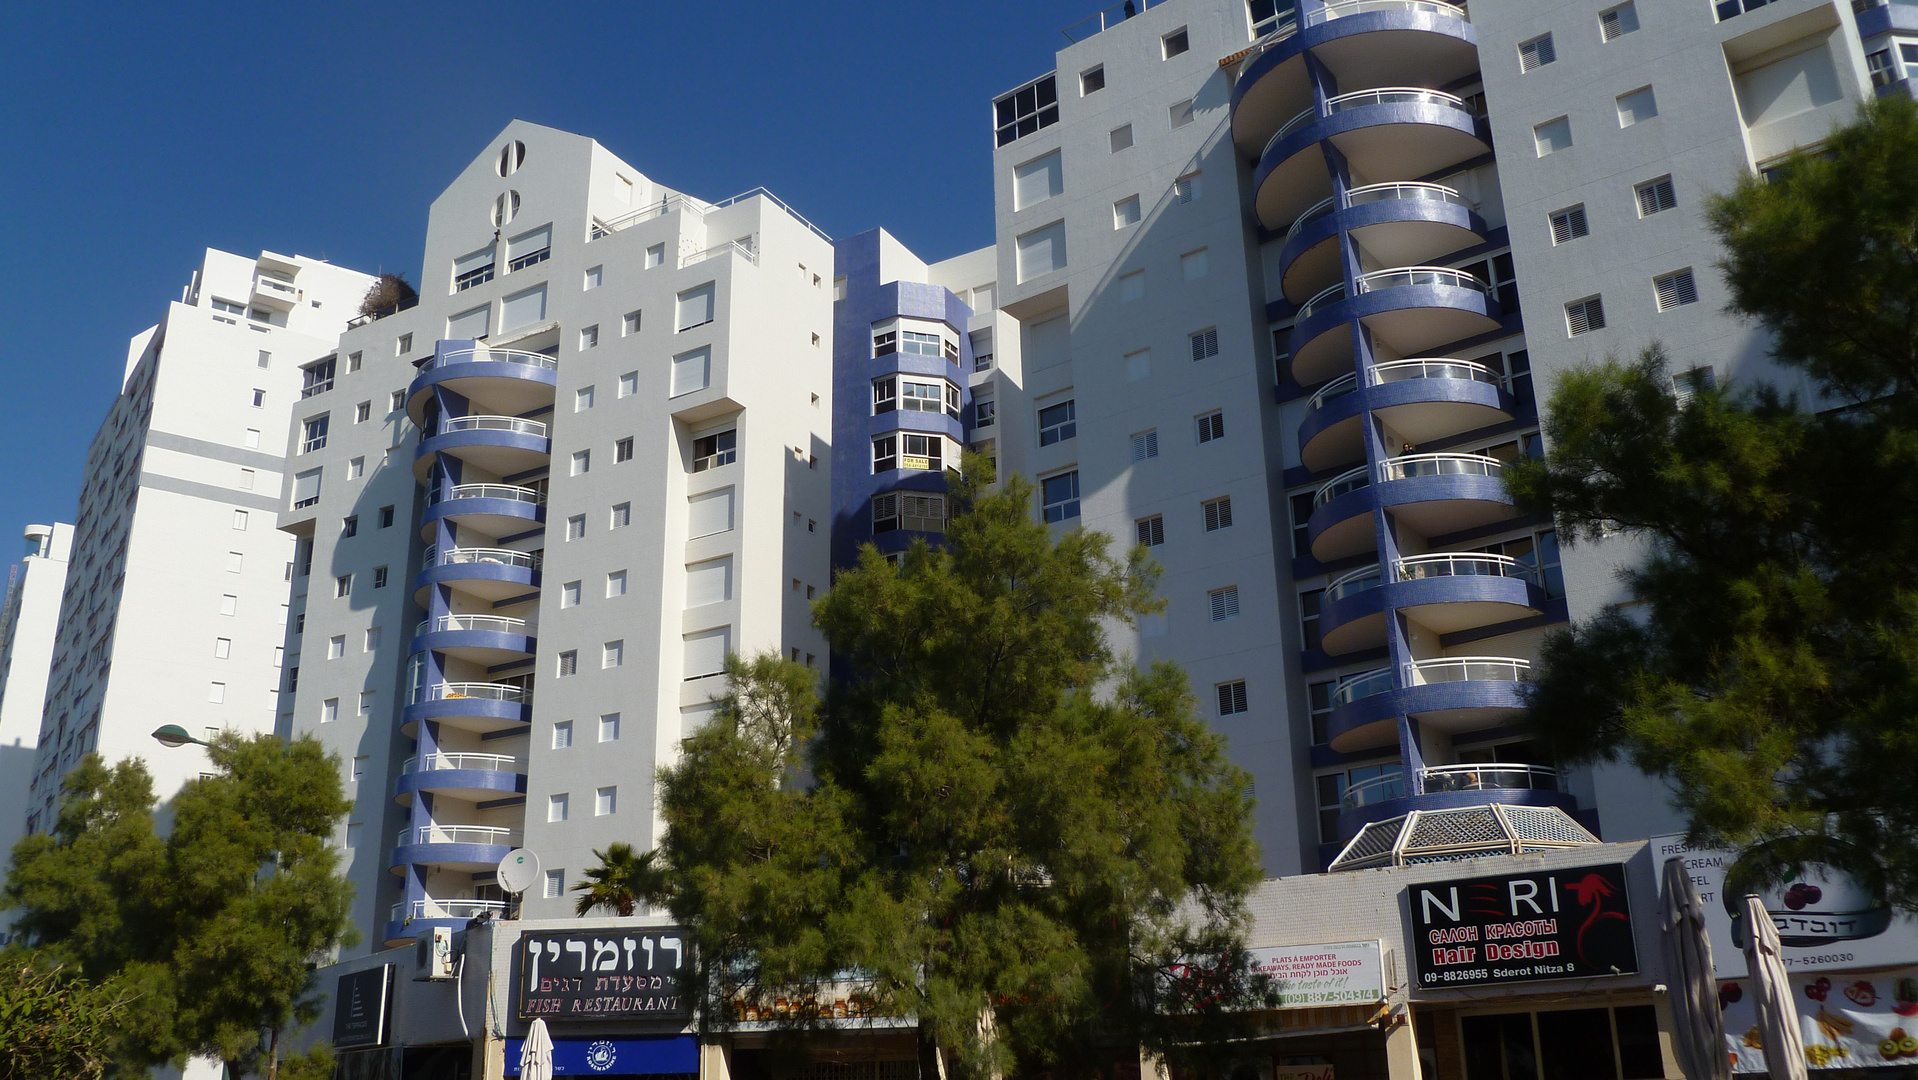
(518, 871)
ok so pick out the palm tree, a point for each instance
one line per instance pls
(622, 881)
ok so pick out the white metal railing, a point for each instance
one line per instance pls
(447, 909)
(1332, 391)
(1350, 480)
(495, 835)
(1413, 465)
(1397, 277)
(480, 762)
(286, 289)
(1328, 294)
(1356, 581)
(499, 624)
(1378, 789)
(1460, 564)
(744, 251)
(491, 356)
(531, 560)
(1447, 669)
(1403, 370)
(1488, 776)
(1363, 685)
(1358, 99)
(510, 492)
(1107, 19)
(607, 227)
(1286, 24)
(493, 423)
(1371, 193)
(482, 691)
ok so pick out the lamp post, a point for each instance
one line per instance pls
(173, 735)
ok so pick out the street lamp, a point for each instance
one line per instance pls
(173, 735)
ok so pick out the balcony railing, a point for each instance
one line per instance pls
(482, 691)
(744, 251)
(1350, 480)
(1378, 789)
(318, 386)
(1393, 279)
(447, 909)
(1107, 19)
(1371, 193)
(480, 762)
(1357, 581)
(495, 835)
(521, 262)
(285, 290)
(491, 356)
(682, 202)
(498, 624)
(1490, 776)
(510, 492)
(493, 423)
(1359, 99)
(478, 276)
(1286, 23)
(1333, 390)
(1450, 669)
(1405, 370)
(1363, 685)
(529, 560)
(1420, 567)
(1413, 465)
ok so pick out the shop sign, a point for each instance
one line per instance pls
(601, 974)
(360, 1007)
(1308, 976)
(612, 1055)
(1825, 919)
(1848, 1020)
(1571, 923)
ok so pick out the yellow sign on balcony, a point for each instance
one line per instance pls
(915, 461)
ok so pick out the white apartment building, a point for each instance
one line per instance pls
(175, 599)
(28, 620)
(536, 509)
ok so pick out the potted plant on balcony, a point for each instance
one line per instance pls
(390, 294)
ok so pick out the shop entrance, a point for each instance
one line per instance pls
(1561, 1044)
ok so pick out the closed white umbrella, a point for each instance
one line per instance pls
(1771, 995)
(536, 1053)
(1700, 1036)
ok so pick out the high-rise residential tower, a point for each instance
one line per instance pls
(28, 619)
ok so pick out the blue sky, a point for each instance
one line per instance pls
(140, 134)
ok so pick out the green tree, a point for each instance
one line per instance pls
(997, 827)
(623, 880)
(55, 1025)
(213, 930)
(1770, 666)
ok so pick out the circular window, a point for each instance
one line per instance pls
(505, 208)
(511, 157)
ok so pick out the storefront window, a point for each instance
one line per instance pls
(1563, 1044)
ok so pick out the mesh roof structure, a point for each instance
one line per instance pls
(1429, 836)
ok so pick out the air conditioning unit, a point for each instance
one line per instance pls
(433, 955)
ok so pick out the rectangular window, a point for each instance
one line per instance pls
(612, 654)
(1205, 343)
(1568, 225)
(1092, 81)
(316, 378)
(623, 450)
(246, 479)
(1655, 195)
(1175, 43)
(352, 363)
(1310, 602)
(1125, 212)
(1025, 110)
(216, 693)
(655, 256)
(349, 526)
(556, 810)
(568, 663)
(562, 734)
(1212, 426)
(569, 595)
(370, 640)
(222, 648)
(615, 584)
(595, 276)
(1180, 114)
(529, 248)
(1218, 513)
(1042, 251)
(1688, 384)
(313, 433)
(710, 513)
(705, 653)
(355, 468)
(1675, 289)
(555, 884)
(985, 413)
(576, 527)
(379, 577)
(336, 646)
(609, 727)
(1225, 603)
(266, 360)
(709, 582)
(1617, 22)
(582, 399)
(523, 308)
(1186, 188)
(629, 324)
(1232, 697)
(622, 515)
(396, 402)
(1059, 496)
(252, 438)
(629, 384)
(1536, 53)
(342, 585)
(362, 412)
(1132, 286)
(404, 345)
(603, 800)
(259, 398)
(1057, 423)
(1318, 699)
(1552, 136)
(474, 269)
(234, 562)
(1636, 107)
(582, 462)
(692, 371)
(588, 338)
(1584, 316)
(1150, 530)
(1302, 505)
(329, 710)
(1194, 265)
(1145, 445)
(1119, 138)
(386, 517)
(366, 703)
(696, 307)
(712, 451)
(1036, 181)
(229, 604)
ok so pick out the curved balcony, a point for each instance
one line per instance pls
(470, 706)
(1445, 787)
(470, 848)
(1362, 43)
(488, 573)
(1450, 693)
(491, 509)
(1409, 309)
(1422, 400)
(406, 921)
(502, 445)
(508, 381)
(1396, 224)
(482, 639)
(1397, 132)
(1441, 494)
(467, 776)
(1341, 522)
(1445, 593)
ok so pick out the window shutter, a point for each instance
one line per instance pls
(709, 582)
(696, 307)
(710, 513)
(469, 324)
(1211, 426)
(1568, 225)
(568, 663)
(1218, 515)
(1186, 188)
(1151, 531)
(1205, 343)
(469, 263)
(1536, 53)
(1675, 289)
(1145, 445)
(1225, 603)
(527, 243)
(1583, 316)
(523, 309)
(1618, 22)
(885, 512)
(705, 652)
(1232, 698)
(1655, 196)
(692, 371)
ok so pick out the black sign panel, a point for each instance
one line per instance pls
(1574, 923)
(601, 975)
(360, 1006)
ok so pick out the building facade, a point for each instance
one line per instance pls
(537, 509)
(28, 620)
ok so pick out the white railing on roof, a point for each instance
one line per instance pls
(667, 204)
(744, 251)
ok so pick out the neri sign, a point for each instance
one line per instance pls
(1572, 923)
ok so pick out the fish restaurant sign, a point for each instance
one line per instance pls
(1574, 923)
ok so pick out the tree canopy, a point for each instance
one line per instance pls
(993, 825)
(1769, 663)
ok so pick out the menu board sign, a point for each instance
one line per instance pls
(1306, 976)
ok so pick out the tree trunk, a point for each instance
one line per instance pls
(273, 1057)
(932, 1064)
